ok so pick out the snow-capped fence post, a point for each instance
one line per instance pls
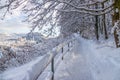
(62, 52)
(68, 46)
(52, 68)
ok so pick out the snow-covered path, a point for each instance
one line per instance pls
(74, 66)
(88, 62)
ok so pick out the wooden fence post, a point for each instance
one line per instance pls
(52, 68)
(68, 47)
(62, 53)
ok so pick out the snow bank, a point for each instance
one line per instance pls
(103, 61)
(20, 73)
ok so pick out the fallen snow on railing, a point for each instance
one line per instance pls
(33, 69)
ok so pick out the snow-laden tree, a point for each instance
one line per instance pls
(43, 12)
(70, 15)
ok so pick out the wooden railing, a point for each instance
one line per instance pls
(48, 59)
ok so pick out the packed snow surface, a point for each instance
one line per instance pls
(89, 60)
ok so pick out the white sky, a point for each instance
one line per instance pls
(13, 23)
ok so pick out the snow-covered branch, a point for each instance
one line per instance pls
(95, 13)
(86, 9)
(44, 12)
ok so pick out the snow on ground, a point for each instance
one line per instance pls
(19, 73)
(91, 61)
(15, 56)
(24, 69)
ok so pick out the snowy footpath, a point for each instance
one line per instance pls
(90, 61)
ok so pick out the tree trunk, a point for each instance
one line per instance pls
(116, 38)
(104, 24)
(115, 18)
(96, 25)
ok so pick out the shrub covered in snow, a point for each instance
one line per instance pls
(16, 56)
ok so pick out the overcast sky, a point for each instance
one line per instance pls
(13, 23)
